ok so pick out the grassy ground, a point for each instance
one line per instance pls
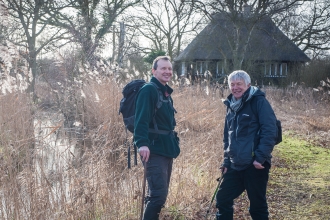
(300, 181)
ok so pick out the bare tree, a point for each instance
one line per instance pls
(88, 21)
(259, 7)
(166, 23)
(4, 22)
(308, 26)
(29, 15)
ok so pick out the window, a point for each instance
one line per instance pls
(275, 69)
(199, 68)
(220, 69)
(183, 69)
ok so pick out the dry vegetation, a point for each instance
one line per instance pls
(91, 181)
(96, 184)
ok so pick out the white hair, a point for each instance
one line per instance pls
(239, 75)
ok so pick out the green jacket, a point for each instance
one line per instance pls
(161, 144)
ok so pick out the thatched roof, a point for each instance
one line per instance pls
(267, 42)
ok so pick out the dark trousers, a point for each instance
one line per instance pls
(159, 169)
(252, 180)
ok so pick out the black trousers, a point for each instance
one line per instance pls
(159, 169)
(254, 181)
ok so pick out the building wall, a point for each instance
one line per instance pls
(217, 69)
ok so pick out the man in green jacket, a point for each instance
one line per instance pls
(158, 146)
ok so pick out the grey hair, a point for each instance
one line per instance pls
(239, 75)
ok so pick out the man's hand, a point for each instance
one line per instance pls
(258, 165)
(144, 153)
(223, 169)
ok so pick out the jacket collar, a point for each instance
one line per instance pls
(163, 88)
(245, 96)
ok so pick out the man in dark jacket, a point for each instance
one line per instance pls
(157, 145)
(249, 138)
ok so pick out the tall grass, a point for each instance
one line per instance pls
(91, 180)
(16, 153)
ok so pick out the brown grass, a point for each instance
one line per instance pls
(94, 182)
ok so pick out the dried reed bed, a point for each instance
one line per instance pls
(200, 125)
(96, 184)
(102, 186)
(16, 144)
(303, 111)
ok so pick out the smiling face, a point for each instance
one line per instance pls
(163, 72)
(238, 87)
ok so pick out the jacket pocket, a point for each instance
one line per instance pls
(243, 125)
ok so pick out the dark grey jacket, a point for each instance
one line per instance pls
(249, 135)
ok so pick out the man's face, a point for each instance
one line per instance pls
(163, 72)
(238, 87)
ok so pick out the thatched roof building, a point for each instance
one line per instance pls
(254, 44)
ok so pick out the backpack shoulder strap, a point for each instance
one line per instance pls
(160, 96)
(159, 104)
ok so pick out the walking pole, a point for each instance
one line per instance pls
(214, 194)
(143, 189)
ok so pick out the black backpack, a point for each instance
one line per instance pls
(278, 123)
(127, 109)
(127, 103)
(279, 132)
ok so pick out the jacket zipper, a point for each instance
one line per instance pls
(237, 126)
